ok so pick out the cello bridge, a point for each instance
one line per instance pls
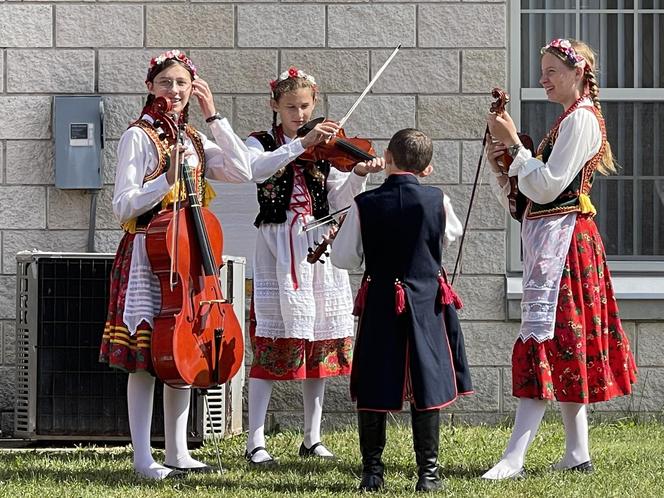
(212, 301)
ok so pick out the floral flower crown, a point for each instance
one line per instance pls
(564, 48)
(292, 72)
(174, 54)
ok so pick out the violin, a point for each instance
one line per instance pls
(517, 201)
(341, 151)
(321, 247)
(196, 339)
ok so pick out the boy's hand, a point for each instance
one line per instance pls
(376, 165)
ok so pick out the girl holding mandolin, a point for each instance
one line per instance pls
(571, 346)
(144, 185)
(301, 313)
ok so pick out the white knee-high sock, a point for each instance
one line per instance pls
(313, 394)
(176, 413)
(575, 420)
(260, 391)
(529, 414)
(140, 397)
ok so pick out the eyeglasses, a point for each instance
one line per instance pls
(167, 84)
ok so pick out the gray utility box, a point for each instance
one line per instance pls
(79, 138)
(62, 391)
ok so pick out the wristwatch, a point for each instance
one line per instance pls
(216, 115)
(513, 150)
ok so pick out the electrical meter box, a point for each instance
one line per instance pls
(79, 139)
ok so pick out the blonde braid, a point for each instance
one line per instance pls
(607, 165)
(593, 87)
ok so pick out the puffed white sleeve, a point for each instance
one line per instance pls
(579, 139)
(453, 226)
(229, 159)
(265, 164)
(136, 157)
(347, 250)
(343, 187)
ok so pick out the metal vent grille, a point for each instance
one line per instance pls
(63, 391)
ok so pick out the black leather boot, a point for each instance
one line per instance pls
(371, 427)
(426, 438)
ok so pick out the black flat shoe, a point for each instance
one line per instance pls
(311, 452)
(205, 469)
(585, 467)
(249, 455)
(175, 474)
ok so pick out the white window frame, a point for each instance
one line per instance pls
(519, 95)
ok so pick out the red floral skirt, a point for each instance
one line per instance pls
(589, 358)
(296, 359)
(118, 348)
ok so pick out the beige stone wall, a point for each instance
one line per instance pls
(453, 53)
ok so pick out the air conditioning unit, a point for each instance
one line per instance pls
(63, 392)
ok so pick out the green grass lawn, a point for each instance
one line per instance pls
(629, 458)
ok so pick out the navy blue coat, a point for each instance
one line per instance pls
(408, 355)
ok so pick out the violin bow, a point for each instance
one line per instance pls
(324, 220)
(371, 84)
(478, 171)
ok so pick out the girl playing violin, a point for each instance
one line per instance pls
(143, 185)
(303, 324)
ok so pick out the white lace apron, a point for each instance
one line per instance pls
(546, 242)
(293, 298)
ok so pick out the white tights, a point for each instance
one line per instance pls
(260, 391)
(529, 415)
(140, 399)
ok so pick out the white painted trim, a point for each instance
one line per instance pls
(606, 94)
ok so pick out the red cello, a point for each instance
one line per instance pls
(196, 340)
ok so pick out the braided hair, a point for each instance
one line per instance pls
(607, 165)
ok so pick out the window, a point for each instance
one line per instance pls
(628, 36)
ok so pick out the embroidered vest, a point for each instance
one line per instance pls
(575, 197)
(274, 194)
(140, 223)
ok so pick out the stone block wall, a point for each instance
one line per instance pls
(453, 53)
